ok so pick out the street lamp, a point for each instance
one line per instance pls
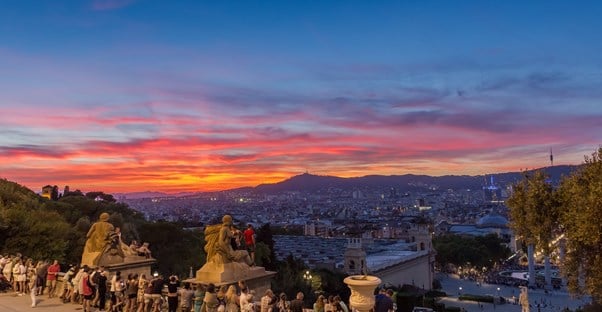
(498, 291)
(460, 290)
(307, 277)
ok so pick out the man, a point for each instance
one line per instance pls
(297, 303)
(51, 277)
(101, 284)
(156, 285)
(383, 302)
(250, 241)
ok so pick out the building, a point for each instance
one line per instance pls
(395, 262)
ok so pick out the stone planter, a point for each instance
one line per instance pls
(362, 291)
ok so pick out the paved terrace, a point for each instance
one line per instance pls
(10, 302)
(555, 300)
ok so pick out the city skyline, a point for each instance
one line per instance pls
(126, 95)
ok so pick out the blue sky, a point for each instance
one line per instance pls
(196, 95)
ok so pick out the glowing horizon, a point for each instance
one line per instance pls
(125, 95)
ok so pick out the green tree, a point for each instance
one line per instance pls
(176, 249)
(535, 214)
(581, 195)
(264, 235)
(479, 251)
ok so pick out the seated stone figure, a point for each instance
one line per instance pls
(97, 240)
(219, 248)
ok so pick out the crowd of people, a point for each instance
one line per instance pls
(26, 276)
(97, 289)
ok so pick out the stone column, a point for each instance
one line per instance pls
(531, 258)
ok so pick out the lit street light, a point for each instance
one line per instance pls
(498, 291)
(307, 277)
(460, 291)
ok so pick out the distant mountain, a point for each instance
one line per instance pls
(313, 183)
(309, 183)
(147, 194)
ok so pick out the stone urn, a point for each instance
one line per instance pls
(362, 291)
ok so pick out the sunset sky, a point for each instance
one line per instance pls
(125, 95)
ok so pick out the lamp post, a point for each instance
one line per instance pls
(460, 291)
(307, 277)
(498, 291)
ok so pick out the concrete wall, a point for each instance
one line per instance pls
(417, 272)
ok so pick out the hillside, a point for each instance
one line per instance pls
(314, 183)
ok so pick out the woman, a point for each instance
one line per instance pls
(221, 298)
(199, 295)
(232, 300)
(319, 305)
(142, 285)
(283, 304)
(131, 292)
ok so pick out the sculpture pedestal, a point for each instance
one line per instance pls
(256, 278)
(137, 266)
(362, 291)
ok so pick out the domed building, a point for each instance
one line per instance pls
(492, 223)
(493, 220)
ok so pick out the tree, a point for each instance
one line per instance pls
(581, 195)
(535, 214)
(264, 235)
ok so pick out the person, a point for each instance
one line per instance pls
(221, 298)
(283, 304)
(51, 277)
(142, 285)
(20, 276)
(232, 299)
(249, 234)
(268, 300)
(131, 292)
(186, 296)
(87, 289)
(157, 287)
(247, 302)
(199, 296)
(120, 287)
(523, 299)
(67, 284)
(76, 294)
(383, 302)
(97, 239)
(339, 302)
(144, 251)
(172, 294)
(33, 287)
(101, 284)
(210, 301)
(297, 303)
(41, 274)
(319, 304)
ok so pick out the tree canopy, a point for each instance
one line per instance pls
(540, 214)
(534, 210)
(581, 198)
(481, 251)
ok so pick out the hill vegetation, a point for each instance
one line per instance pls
(41, 228)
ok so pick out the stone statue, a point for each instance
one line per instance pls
(98, 238)
(219, 249)
(523, 299)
